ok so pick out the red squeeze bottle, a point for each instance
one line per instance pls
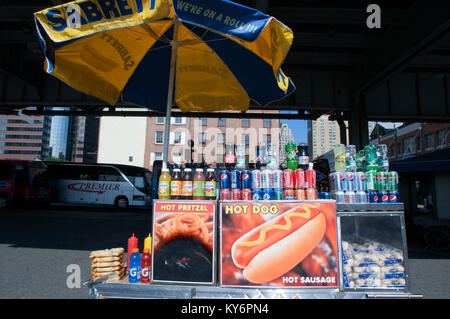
(132, 243)
(146, 263)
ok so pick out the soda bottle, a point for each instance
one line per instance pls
(271, 157)
(260, 155)
(382, 158)
(240, 156)
(291, 156)
(339, 158)
(371, 159)
(186, 184)
(230, 157)
(134, 271)
(199, 185)
(146, 262)
(303, 157)
(210, 184)
(132, 244)
(350, 158)
(164, 184)
(175, 184)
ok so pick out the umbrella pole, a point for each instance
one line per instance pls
(174, 45)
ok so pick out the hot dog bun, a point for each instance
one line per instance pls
(287, 253)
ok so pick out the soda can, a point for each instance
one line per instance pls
(299, 194)
(361, 197)
(393, 196)
(381, 181)
(268, 194)
(257, 194)
(392, 181)
(288, 178)
(337, 182)
(360, 179)
(236, 194)
(325, 195)
(299, 178)
(311, 194)
(371, 181)
(246, 194)
(246, 179)
(350, 182)
(310, 178)
(235, 179)
(266, 179)
(278, 194)
(225, 179)
(350, 197)
(288, 194)
(383, 197)
(277, 177)
(256, 179)
(373, 197)
(225, 194)
(339, 196)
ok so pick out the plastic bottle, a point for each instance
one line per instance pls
(132, 244)
(303, 156)
(148, 242)
(134, 271)
(272, 162)
(260, 155)
(240, 156)
(371, 159)
(186, 184)
(339, 158)
(199, 184)
(175, 184)
(291, 156)
(383, 162)
(164, 184)
(230, 157)
(210, 184)
(146, 263)
(350, 158)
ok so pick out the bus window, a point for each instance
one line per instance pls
(38, 174)
(109, 174)
(89, 173)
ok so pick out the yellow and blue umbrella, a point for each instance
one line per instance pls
(201, 55)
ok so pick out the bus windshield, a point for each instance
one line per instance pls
(140, 178)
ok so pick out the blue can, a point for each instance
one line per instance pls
(278, 194)
(246, 179)
(268, 194)
(235, 179)
(393, 196)
(373, 197)
(257, 194)
(383, 197)
(225, 179)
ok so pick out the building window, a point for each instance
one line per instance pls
(158, 156)
(221, 139)
(159, 137)
(130, 158)
(222, 121)
(267, 122)
(160, 120)
(245, 122)
(267, 139)
(392, 151)
(203, 121)
(429, 141)
(178, 120)
(202, 138)
(220, 158)
(441, 138)
(409, 146)
(177, 138)
(245, 140)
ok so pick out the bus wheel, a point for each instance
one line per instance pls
(121, 202)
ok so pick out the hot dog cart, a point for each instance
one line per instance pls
(362, 254)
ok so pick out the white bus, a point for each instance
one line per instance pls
(103, 184)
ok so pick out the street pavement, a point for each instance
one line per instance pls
(39, 250)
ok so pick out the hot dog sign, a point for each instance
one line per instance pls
(285, 244)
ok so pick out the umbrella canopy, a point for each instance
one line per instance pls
(201, 55)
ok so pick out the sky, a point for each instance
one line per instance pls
(298, 128)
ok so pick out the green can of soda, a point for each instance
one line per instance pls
(371, 181)
(381, 181)
(392, 181)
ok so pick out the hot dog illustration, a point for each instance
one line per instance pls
(275, 247)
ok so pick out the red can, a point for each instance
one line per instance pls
(236, 194)
(288, 178)
(246, 194)
(299, 178)
(299, 194)
(311, 194)
(310, 178)
(225, 194)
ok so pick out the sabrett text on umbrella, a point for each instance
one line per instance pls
(123, 52)
(95, 10)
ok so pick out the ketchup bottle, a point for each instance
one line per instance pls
(146, 262)
(132, 243)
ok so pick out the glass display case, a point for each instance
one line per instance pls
(372, 247)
